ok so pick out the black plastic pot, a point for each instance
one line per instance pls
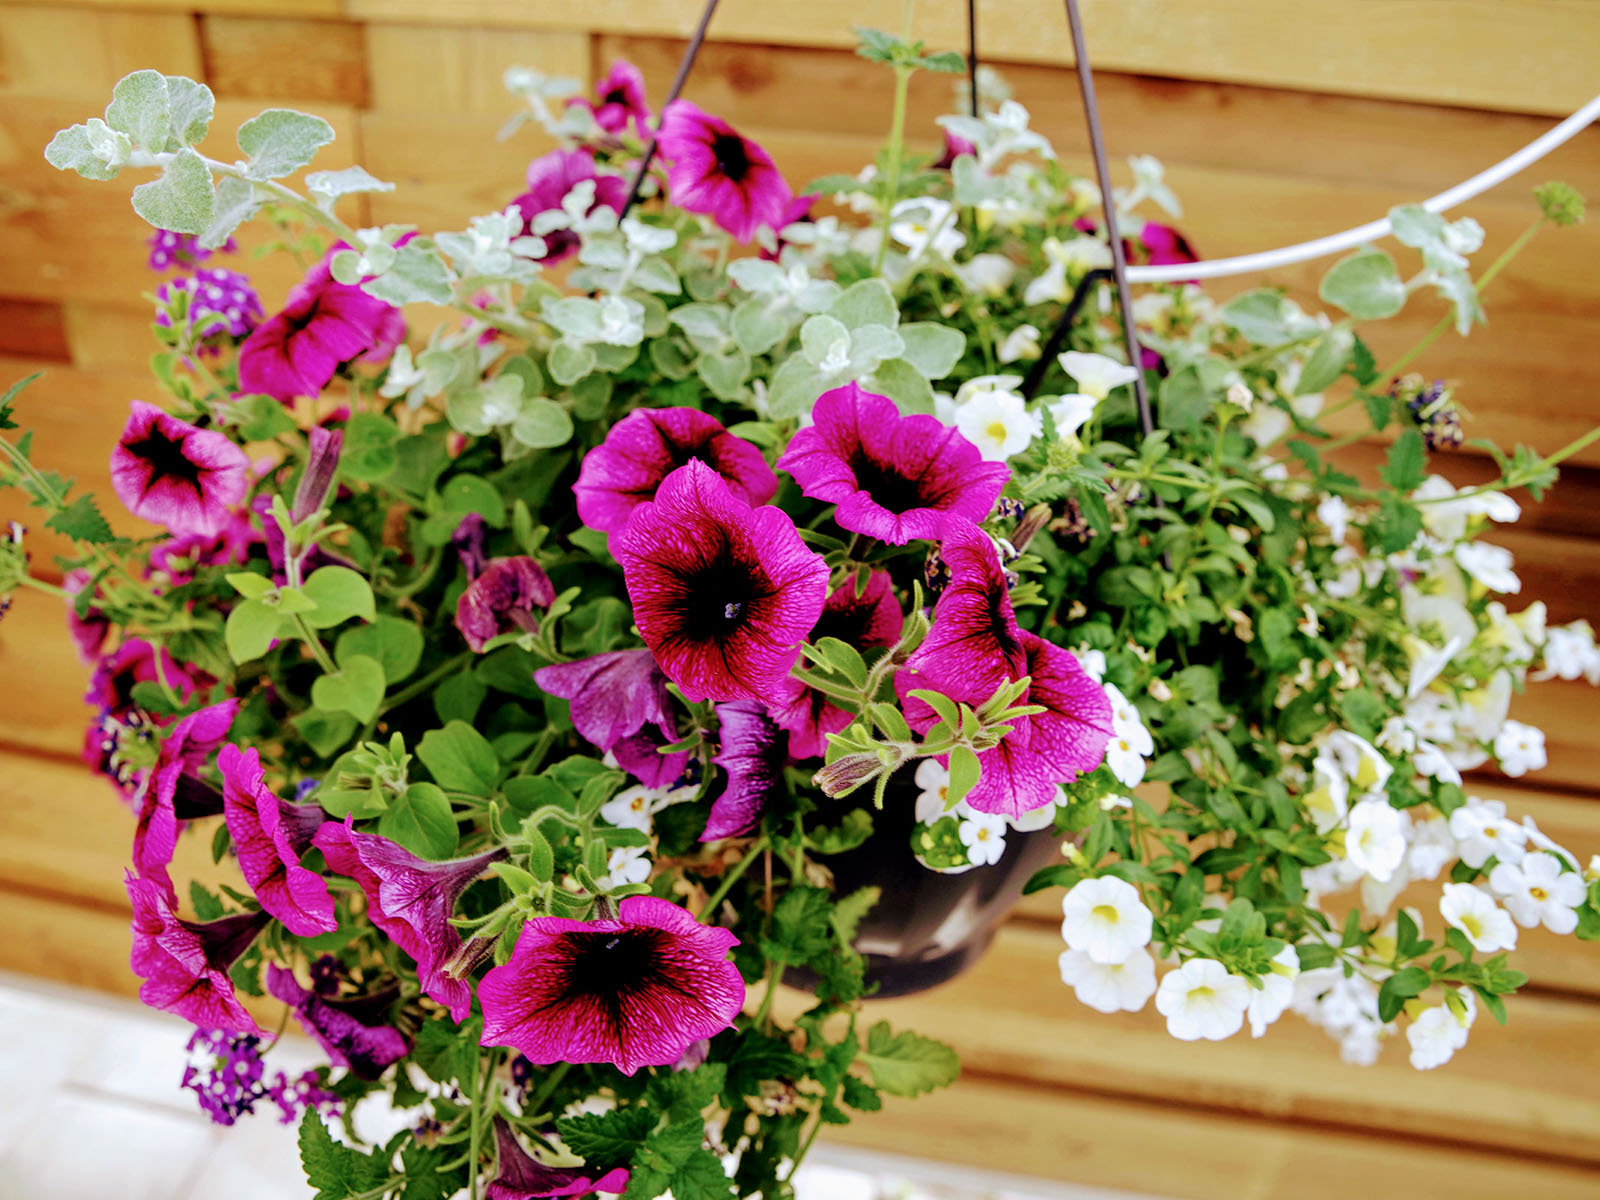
(927, 927)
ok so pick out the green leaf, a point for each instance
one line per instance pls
(853, 829)
(964, 772)
(850, 910)
(182, 200)
(139, 109)
(757, 324)
(280, 141)
(606, 1139)
(1366, 285)
(1326, 363)
(801, 928)
(424, 1179)
(904, 384)
(1407, 463)
(421, 821)
(1183, 400)
(328, 186)
(933, 349)
(724, 372)
(570, 361)
(673, 1158)
(795, 386)
(336, 1172)
(190, 107)
(356, 688)
(339, 594)
(908, 1064)
(1258, 315)
(325, 732)
(82, 522)
(1399, 988)
(369, 453)
(250, 629)
(542, 424)
(867, 302)
(418, 275)
(236, 202)
(460, 759)
(394, 642)
(459, 697)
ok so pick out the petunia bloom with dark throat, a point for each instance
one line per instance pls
(893, 478)
(635, 991)
(184, 964)
(723, 593)
(642, 449)
(174, 474)
(973, 647)
(551, 177)
(712, 169)
(619, 99)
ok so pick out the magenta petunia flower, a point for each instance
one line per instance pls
(177, 558)
(973, 647)
(634, 991)
(954, 148)
(550, 178)
(522, 1177)
(184, 964)
(646, 446)
(90, 630)
(713, 170)
(269, 836)
(752, 754)
(619, 100)
(172, 791)
(177, 475)
(893, 477)
(503, 599)
(620, 705)
(1164, 245)
(323, 324)
(352, 1030)
(722, 593)
(872, 618)
(410, 899)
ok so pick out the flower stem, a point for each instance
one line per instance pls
(318, 651)
(732, 876)
(897, 136)
(546, 1089)
(412, 690)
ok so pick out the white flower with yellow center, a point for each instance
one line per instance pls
(1110, 987)
(1376, 838)
(1363, 766)
(1427, 661)
(997, 422)
(1482, 832)
(1519, 748)
(1327, 795)
(1473, 911)
(1437, 1033)
(1489, 565)
(1271, 1000)
(984, 836)
(627, 864)
(933, 801)
(1105, 919)
(1130, 743)
(1020, 344)
(1538, 892)
(924, 226)
(1095, 374)
(633, 808)
(1201, 1000)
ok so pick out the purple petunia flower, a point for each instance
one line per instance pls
(354, 1031)
(619, 100)
(646, 446)
(502, 600)
(723, 593)
(269, 837)
(521, 1177)
(177, 475)
(954, 148)
(323, 325)
(753, 753)
(550, 178)
(177, 557)
(972, 648)
(411, 900)
(169, 249)
(893, 477)
(89, 631)
(713, 170)
(184, 964)
(173, 785)
(468, 542)
(220, 301)
(634, 991)
(620, 705)
(1164, 245)
(872, 618)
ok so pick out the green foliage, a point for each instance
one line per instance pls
(335, 1171)
(908, 1064)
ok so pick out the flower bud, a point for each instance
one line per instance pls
(317, 481)
(844, 775)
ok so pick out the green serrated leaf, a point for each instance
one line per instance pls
(906, 1063)
(606, 1139)
(82, 521)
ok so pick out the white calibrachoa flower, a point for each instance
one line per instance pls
(1538, 892)
(1327, 797)
(984, 836)
(633, 807)
(934, 797)
(1201, 1000)
(989, 275)
(1519, 748)
(1489, 565)
(997, 422)
(1376, 838)
(1363, 766)
(1335, 514)
(1110, 987)
(1570, 653)
(1482, 832)
(1069, 412)
(925, 225)
(627, 864)
(1105, 918)
(1437, 1033)
(1473, 911)
(1272, 999)
(1021, 343)
(1095, 374)
(1130, 743)
(1427, 661)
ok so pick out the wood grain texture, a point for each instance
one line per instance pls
(47, 50)
(322, 62)
(425, 69)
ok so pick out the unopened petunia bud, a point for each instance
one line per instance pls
(845, 775)
(317, 481)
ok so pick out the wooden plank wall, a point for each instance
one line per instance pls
(1278, 120)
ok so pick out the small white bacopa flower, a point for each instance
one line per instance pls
(1519, 748)
(1105, 919)
(1538, 892)
(1201, 1000)
(1110, 987)
(1473, 911)
(984, 836)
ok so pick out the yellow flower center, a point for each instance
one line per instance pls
(996, 430)
(1472, 925)
(1105, 912)
(1538, 893)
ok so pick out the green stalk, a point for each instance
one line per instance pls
(412, 690)
(733, 875)
(897, 132)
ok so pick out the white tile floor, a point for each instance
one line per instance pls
(90, 1108)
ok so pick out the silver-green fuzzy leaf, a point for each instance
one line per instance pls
(182, 200)
(280, 141)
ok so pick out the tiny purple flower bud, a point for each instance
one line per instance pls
(317, 481)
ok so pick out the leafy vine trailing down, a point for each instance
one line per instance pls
(569, 626)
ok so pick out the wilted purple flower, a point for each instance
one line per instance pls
(354, 1031)
(521, 1177)
(219, 301)
(753, 753)
(468, 541)
(620, 704)
(503, 599)
(316, 481)
(269, 837)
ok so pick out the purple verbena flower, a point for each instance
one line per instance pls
(893, 477)
(712, 169)
(354, 1031)
(269, 837)
(521, 1177)
(300, 1094)
(752, 755)
(620, 705)
(411, 900)
(503, 599)
(224, 1073)
(634, 991)
(169, 249)
(219, 302)
(177, 475)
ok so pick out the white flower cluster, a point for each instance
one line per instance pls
(635, 808)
